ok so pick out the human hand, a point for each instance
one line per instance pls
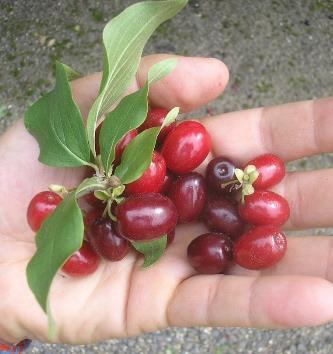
(120, 299)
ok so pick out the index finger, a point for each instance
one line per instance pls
(291, 131)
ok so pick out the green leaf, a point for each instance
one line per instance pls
(59, 237)
(124, 38)
(152, 250)
(138, 154)
(90, 185)
(56, 122)
(129, 114)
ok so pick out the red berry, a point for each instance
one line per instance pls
(40, 207)
(83, 262)
(152, 179)
(125, 140)
(222, 215)
(264, 208)
(261, 247)
(171, 237)
(91, 216)
(188, 193)
(144, 217)
(91, 200)
(186, 147)
(168, 179)
(221, 171)
(271, 170)
(155, 118)
(210, 253)
(106, 242)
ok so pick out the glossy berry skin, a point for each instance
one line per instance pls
(155, 118)
(152, 179)
(220, 171)
(188, 193)
(91, 200)
(124, 141)
(40, 207)
(210, 253)
(261, 247)
(186, 147)
(168, 180)
(264, 208)
(144, 217)
(83, 262)
(106, 242)
(271, 170)
(91, 216)
(221, 215)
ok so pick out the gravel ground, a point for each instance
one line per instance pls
(277, 51)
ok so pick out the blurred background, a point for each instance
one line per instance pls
(277, 51)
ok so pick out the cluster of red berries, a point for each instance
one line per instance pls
(227, 200)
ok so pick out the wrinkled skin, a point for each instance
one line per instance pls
(122, 300)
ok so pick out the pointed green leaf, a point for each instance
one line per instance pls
(90, 185)
(152, 250)
(59, 237)
(124, 38)
(129, 114)
(138, 154)
(56, 122)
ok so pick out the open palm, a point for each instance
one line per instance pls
(120, 299)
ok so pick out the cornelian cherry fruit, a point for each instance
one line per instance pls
(40, 207)
(186, 147)
(210, 253)
(83, 262)
(264, 208)
(152, 180)
(271, 170)
(261, 247)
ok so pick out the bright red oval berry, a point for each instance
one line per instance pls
(155, 118)
(152, 179)
(83, 262)
(106, 242)
(186, 147)
(210, 253)
(125, 140)
(261, 247)
(221, 215)
(188, 193)
(271, 170)
(264, 208)
(40, 207)
(146, 216)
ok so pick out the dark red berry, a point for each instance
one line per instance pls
(271, 170)
(261, 247)
(144, 217)
(126, 139)
(170, 237)
(152, 179)
(188, 193)
(221, 171)
(222, 215)
(186, 147)
(155, 118)
(91, 216)
(210, 253)
(168, 179)
(106, 242)
(40, 207)
(83, 262)
(91, 200)
(264, 208)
